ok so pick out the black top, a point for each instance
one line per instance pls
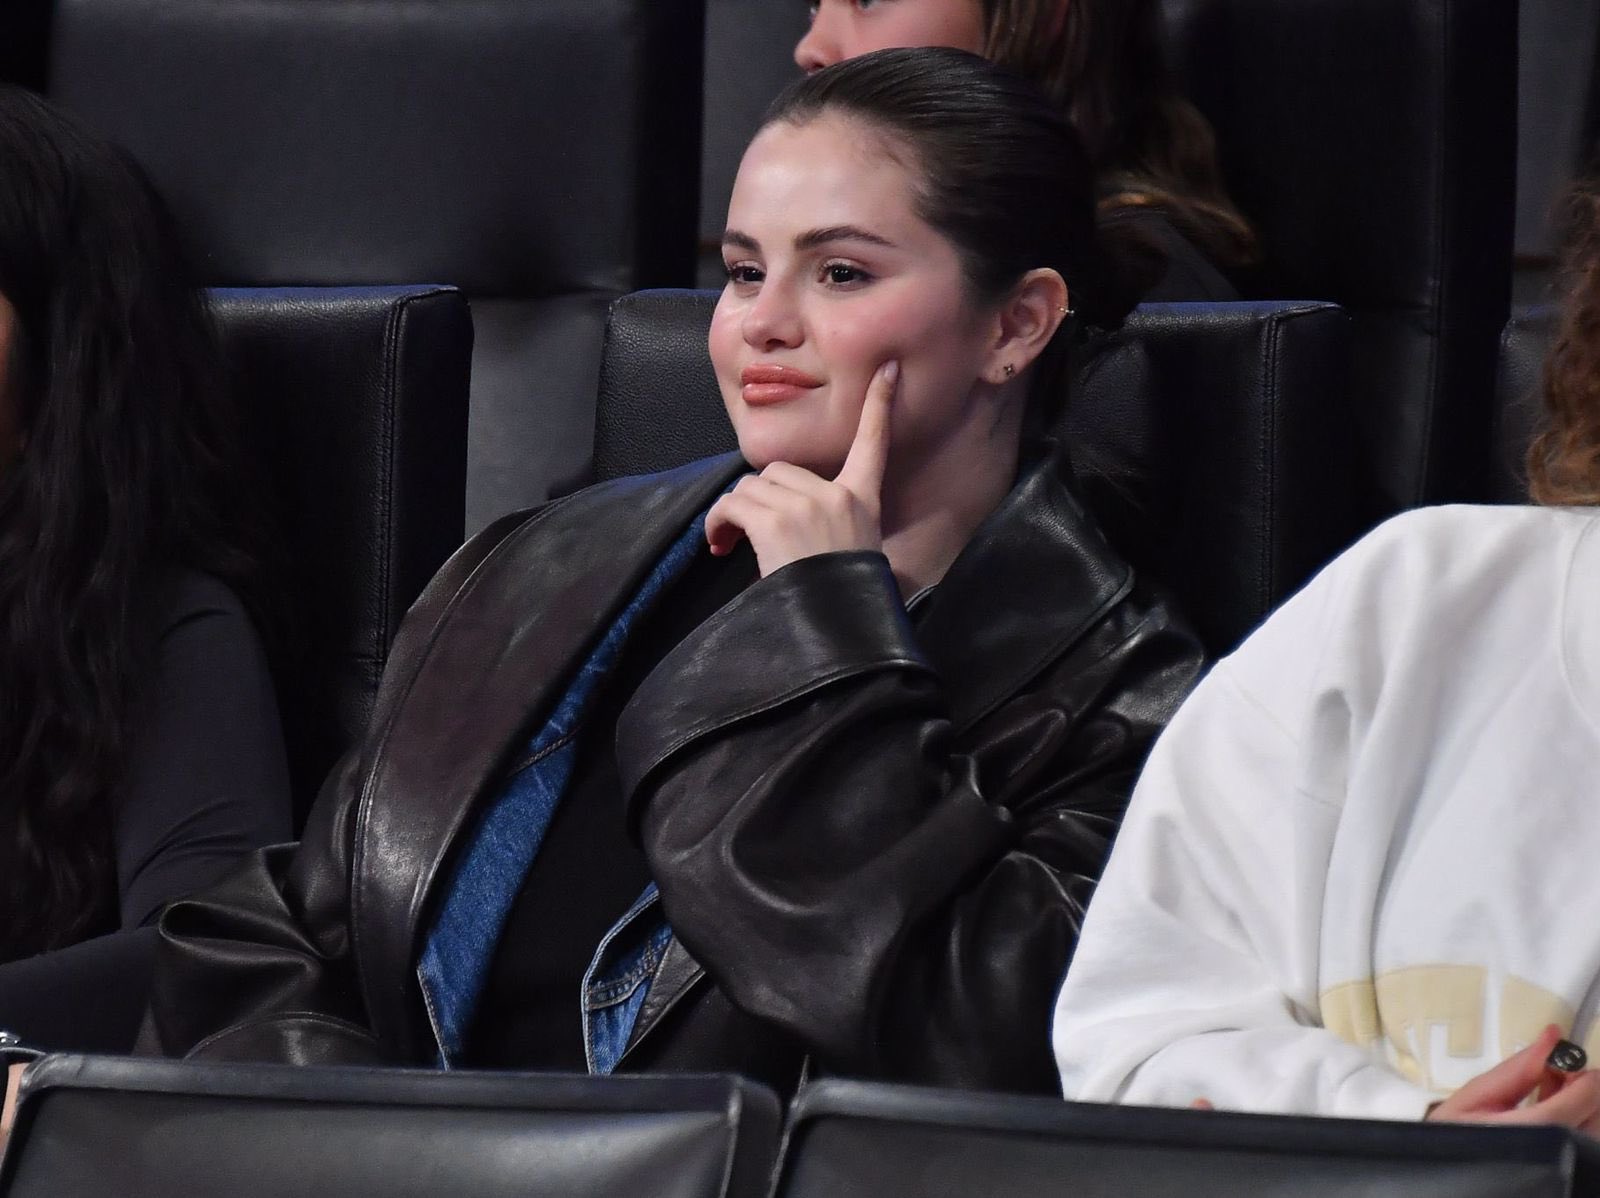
(588, 871)
(207, 782)
(1189, 274)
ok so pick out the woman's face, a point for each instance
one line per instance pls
(842, 29)
(10, 406)
(831, 274)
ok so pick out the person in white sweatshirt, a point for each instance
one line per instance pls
(1360, 875)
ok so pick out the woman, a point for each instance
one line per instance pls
(139, 747)
(806, 754)
(1354, 878)
(1103, 62)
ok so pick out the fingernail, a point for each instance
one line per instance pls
(891, 373)
(1567, 1057)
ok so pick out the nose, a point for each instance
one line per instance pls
(820, 47)
(772, 320)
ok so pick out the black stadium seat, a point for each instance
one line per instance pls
(1212, 439)
(88, 1127)
(357, 406)
(1518, 408)
(24, 38)
(542, 155)
(1373, 143)
(846, 1140)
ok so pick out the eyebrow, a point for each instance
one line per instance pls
(809, 240)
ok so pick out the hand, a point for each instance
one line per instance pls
(788, 513)
(8, 1109)
(1495, 1096)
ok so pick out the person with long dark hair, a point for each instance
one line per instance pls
(1352, 878)
(140, 754)
(806, 752)
(1103, 63)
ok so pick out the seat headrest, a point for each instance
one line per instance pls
(495, 144)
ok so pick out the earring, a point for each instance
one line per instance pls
(1010, 370)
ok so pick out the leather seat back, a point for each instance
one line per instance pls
(357, 403)
(539, 155)
(1519, 404)
(154, 1129)
(1210, 438)
(852, 1140)
(1373, 144)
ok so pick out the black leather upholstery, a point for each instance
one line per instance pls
(539, 155)
(24, 33)
(1373, 143)
(155, 1129)
(1518, 408)
(357, 399)
(1557, 86)
(846, 1139)
(749, 58)
(1212, 440)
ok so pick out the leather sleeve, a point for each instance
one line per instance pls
(261, 967)
(837, 861)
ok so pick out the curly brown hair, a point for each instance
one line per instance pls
(1564, 460)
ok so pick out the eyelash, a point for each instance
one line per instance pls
(863, 5)
(737, 274)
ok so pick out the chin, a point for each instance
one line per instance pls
(762, 453)
(762, 442)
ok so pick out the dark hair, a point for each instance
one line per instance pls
(128, 471)
(1564, 460)
(1104, 64)
(1004, 178)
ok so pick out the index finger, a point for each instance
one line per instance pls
(862, 473)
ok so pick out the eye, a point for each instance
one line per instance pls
(844, 274)
(743, 273)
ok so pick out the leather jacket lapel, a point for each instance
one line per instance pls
(527, 615)
(1042, 556)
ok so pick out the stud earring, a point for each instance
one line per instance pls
(1010, 370)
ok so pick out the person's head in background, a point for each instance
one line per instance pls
(1102, 62)
(116, 462)
(920, 206)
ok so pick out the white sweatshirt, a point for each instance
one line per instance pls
(1363, 863)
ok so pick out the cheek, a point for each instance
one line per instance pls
(954, 23)
(723, 344)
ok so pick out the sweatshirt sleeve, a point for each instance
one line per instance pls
(1197, 973)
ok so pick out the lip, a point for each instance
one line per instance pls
(763, 384)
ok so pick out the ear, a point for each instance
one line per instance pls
(1024, 324)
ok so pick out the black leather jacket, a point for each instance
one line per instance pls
(874, 849)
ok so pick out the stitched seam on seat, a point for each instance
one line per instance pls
(393, 339)
(1436, 190)
(1270, 435)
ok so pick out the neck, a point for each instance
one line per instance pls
(930, 514)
